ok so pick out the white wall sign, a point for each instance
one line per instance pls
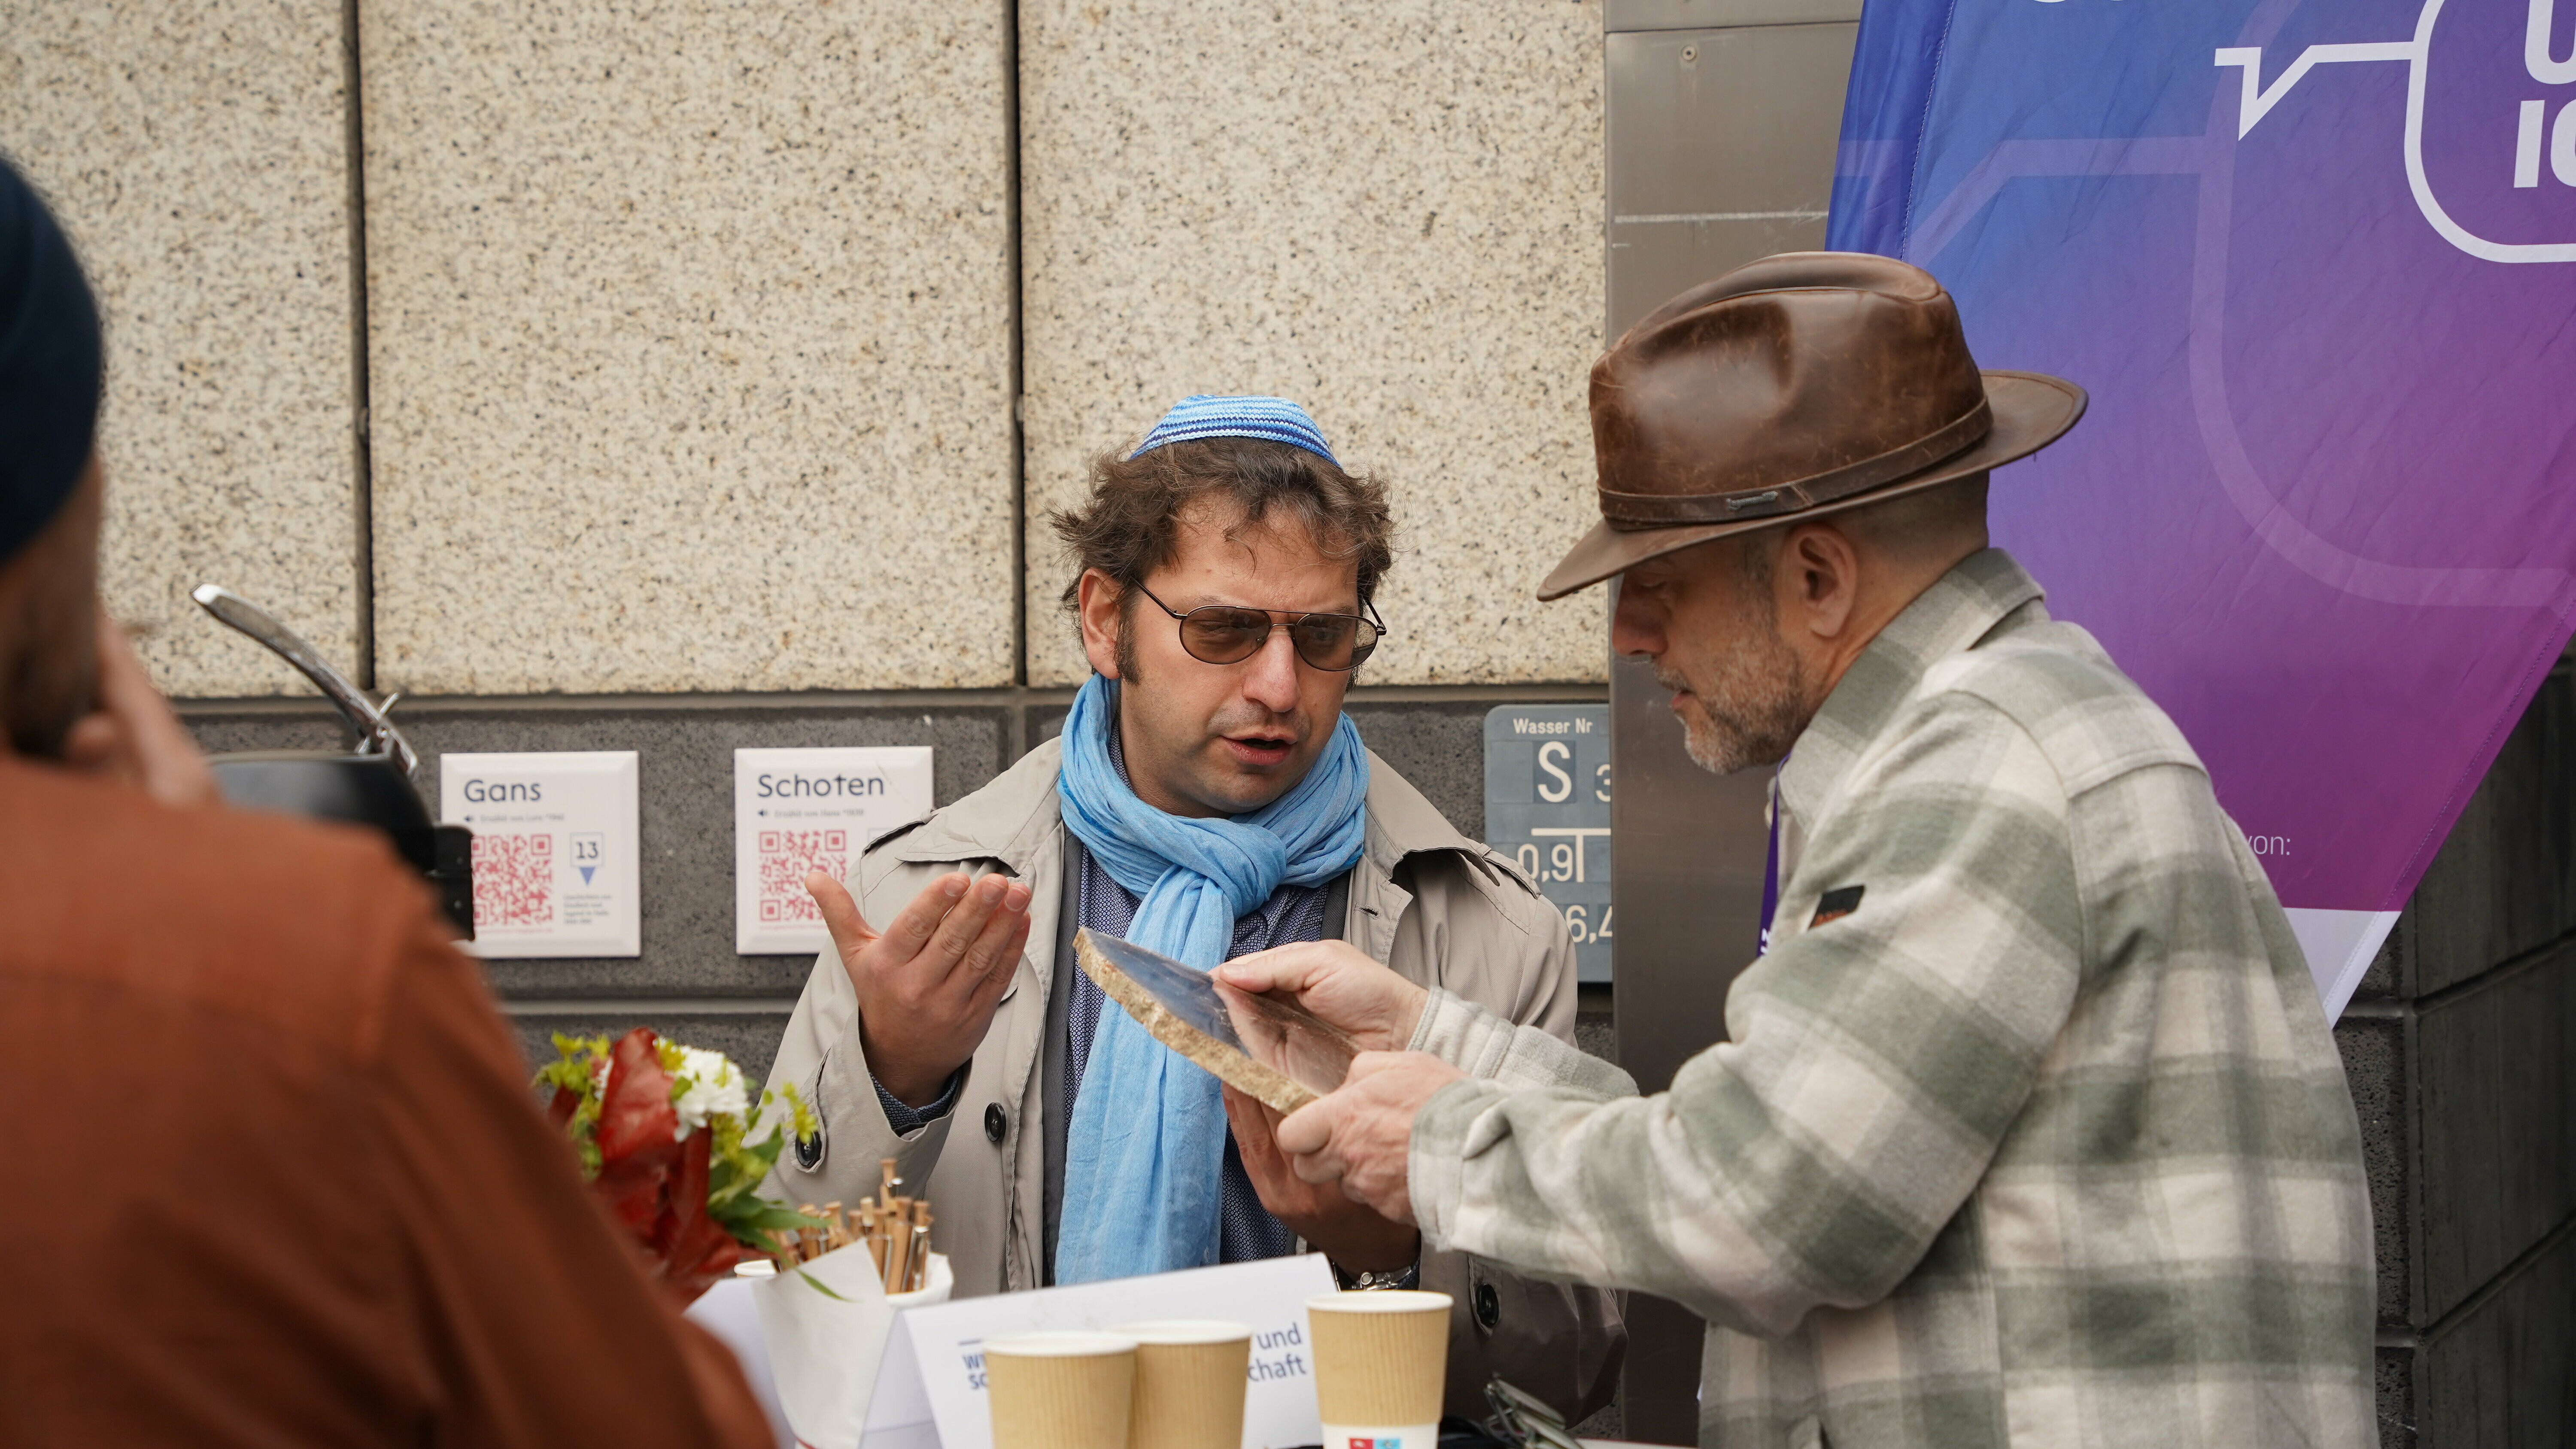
(796, 811)
(930, 1385)
(555, 850)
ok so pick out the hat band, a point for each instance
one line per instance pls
(1631, 511)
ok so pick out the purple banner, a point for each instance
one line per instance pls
(2316, 263)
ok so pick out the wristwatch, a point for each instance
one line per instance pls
(1407, 1277)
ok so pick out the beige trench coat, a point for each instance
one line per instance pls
(1439, 908)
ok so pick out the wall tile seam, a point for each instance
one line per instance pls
(2512, 968)
(362, 544)
(2419, 1339)
(1038, 696)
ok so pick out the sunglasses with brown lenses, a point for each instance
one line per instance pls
(1228, 634)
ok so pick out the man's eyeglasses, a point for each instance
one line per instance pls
(1225, 634)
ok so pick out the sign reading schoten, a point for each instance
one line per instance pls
(796, 811)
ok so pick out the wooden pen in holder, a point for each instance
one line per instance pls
(895, 1228)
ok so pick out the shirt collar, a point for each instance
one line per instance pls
(1961, 608)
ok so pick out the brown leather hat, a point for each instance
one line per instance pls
(1790, 388)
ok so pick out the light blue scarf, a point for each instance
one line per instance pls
(1145, 1151)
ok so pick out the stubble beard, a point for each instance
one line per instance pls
(1748, 709)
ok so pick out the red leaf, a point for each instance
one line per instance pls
(655, 1184)
(637, 1134)
(695, 1250)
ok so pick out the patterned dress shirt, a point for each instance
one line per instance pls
(2028, 1130)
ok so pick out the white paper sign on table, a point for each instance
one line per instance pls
(555, 850)
(804, 810)
(930, 1387)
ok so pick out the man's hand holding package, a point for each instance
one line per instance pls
(928, 985)
(1349, 1232)
(1358, 1135)
(1340, 983)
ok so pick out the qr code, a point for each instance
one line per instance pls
(514, 880)
(785, 857)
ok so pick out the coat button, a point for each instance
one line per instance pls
(996, 1122)
(1489, 1304)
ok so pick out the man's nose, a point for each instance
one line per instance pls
(1636, 627)
(1270, 676)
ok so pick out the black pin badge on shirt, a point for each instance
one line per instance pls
(1835, 904)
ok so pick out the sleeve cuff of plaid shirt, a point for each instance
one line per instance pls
(907, 1120)
(1498, 1058)
(1493, 1049)
(1435, 1159)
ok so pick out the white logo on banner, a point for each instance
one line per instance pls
(2257, 100)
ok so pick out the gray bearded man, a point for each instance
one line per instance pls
(1207, 798)
(2029, 1128)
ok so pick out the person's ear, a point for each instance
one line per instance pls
(1096, 602)
(1819, 580)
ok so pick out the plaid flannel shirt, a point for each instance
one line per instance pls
(2045, 1142)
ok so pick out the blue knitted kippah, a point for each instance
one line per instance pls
(1274, 418)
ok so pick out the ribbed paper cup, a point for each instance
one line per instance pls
(1190, 1377)
(1381, 1363)
(1060, 1390)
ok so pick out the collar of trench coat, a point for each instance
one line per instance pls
(1016, 820)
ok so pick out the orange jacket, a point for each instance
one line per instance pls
(275, 1173)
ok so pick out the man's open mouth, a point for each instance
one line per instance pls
(1260, 749)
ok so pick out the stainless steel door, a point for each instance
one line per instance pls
(1721, 150)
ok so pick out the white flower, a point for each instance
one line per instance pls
(710, 1086)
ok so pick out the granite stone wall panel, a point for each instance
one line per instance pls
(1390, 212)
(690, 339)
(2376, 1054)
(685, 814)
(196, 154)
(2392, 1372)
(1439, 749)
(685, 758)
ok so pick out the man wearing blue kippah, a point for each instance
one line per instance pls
(1208, 798)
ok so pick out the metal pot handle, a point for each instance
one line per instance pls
(366, 720)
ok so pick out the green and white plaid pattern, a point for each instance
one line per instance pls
(2046, 1143)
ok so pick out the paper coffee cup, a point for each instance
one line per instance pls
(1060, 1390)
(1381, 1366)
(1190, 1377)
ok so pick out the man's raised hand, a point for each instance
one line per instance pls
(1340, 983)
(928, 985)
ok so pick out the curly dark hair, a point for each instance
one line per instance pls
(1130, 525)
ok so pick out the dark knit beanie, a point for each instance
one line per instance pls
(49, 365)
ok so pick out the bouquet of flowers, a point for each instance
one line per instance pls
(668, 1137)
